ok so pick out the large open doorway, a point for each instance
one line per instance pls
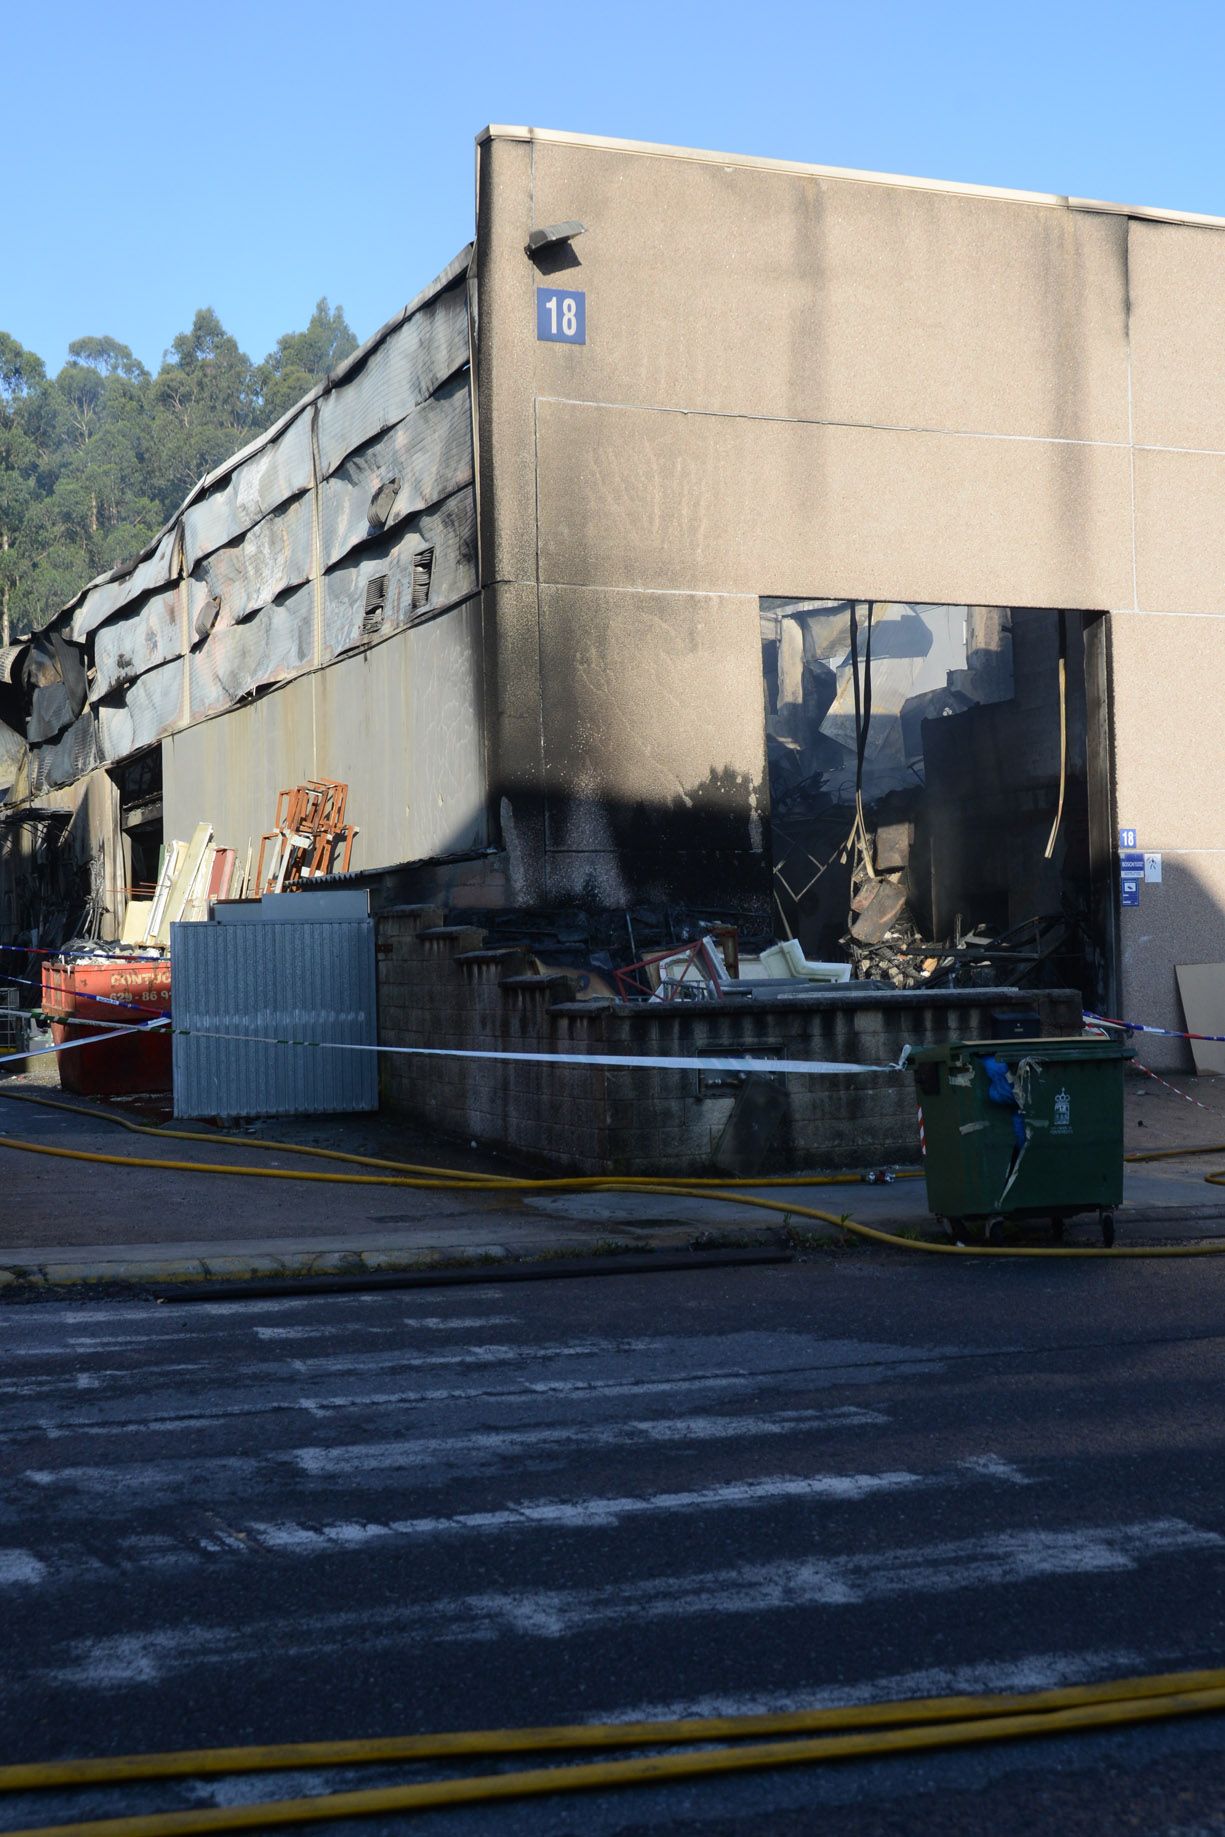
(937, 783)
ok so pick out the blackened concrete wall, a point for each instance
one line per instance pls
(441, 986)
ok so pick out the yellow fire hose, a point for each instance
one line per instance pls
(859, 1732)
(449, 1180)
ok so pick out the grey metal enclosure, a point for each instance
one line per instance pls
(267, 1009)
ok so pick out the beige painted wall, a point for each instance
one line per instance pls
(398, 722)
(804, 383)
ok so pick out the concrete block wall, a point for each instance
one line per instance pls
(441, 986)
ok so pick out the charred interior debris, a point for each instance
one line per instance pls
(929, 791)
(928, 813)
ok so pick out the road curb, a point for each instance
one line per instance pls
(239, 1268)
(34, 1273)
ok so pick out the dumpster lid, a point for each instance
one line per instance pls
(1054, 1046)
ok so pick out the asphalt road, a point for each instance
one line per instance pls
(862, 1477)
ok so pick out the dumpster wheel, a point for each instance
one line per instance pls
(1107, 1223)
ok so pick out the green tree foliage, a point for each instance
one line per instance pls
(301, 359)
(94, 460)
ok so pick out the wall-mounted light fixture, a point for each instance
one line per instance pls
(552, 234)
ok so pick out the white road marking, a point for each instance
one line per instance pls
(127, 1342)
(349, 1364)
(582, 1514)
(729, 1383)
(994, 1560)
(356, 1459)
(20, 1566)
(995, 1467)
(433, 1323)
(1000, 1560)
(73, 1382)
(603, 1513)
(425, 1455)
(288, 1537)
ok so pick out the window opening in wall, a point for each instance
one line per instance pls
(930, 792)
(139, 783)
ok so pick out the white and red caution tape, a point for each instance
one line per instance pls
(643, 1061)
(1185, 1095)
(1168, 1033)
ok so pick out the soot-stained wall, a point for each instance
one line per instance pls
(797, 382)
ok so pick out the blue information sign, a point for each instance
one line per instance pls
(1131, 864)
(1129, 892)
(561, 315)
(1127, 838)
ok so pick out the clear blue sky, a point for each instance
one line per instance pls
(251, 157)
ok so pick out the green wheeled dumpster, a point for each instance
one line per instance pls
(1022, 1129)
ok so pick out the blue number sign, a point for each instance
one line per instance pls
(1127, 838)
(561, 318)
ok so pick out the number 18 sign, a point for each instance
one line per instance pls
(561, 318)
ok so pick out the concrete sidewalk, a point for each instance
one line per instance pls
(66, 1220)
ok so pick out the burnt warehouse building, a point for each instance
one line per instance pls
(835, 554)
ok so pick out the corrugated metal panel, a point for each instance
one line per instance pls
(282, 470)
(280, 476)
(12, 657)
(429, 452)
(399, 408)
(12, 752)
(406, 368)
(137, 642)
(304, 982)
(70, 756)
(117, 589)
(400, 721)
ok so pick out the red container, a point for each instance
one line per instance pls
(129, 1062)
